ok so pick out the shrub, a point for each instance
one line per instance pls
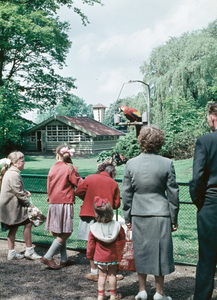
(128, 146)
(103, 156)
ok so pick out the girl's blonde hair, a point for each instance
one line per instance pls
(103, 213)
(14, 157)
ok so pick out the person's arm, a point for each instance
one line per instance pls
(82, 189)
(173, 195)
(127, 195)
(74, 177)
(197, 186)
(116, 198)
(91, 246)
(122, 234)
(18, 189)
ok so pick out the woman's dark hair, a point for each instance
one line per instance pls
(151, 139)
(106, 167)
(104, 213)
(66, 157)
(212, 109)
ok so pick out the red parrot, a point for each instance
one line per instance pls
(132, 115)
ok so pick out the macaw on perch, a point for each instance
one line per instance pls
(132, 115)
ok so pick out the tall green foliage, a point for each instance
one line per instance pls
(128, 146)
(11, 124)
(182, 75)
(184, 66)
(182, 123)
(33, 41)
(77, 107)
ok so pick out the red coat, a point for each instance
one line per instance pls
(101, 185)
(61, 182)
(102, 251)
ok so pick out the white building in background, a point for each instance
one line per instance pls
(99, 112)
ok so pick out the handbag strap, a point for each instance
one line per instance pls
(128, 235)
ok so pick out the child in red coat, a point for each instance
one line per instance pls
(102, 246)
(101, 184)
(62, 179)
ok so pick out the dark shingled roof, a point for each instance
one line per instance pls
(92, 125)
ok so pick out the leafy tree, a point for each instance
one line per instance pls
(182, 123)
(184, 66)
(76, 107)
(11, 124)
(32, 42)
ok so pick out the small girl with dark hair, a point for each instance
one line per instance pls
(101, 184)
(62, 179)
(102, 246)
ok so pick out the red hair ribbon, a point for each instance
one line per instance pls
(99, 201)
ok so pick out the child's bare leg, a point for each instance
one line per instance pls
(112, 269)
(92, 264)
(11, 238)
(102, 279)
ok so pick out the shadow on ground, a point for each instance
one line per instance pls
(25, 279)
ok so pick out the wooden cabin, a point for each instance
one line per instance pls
(84, 134)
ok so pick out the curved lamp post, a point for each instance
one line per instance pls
(148, 103)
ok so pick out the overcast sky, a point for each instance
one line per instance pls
(121, 35)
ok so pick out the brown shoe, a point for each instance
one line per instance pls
(116, 297)
(67, 263)
(50, 263)
(118, 277)
(92, 277)
(101, 298)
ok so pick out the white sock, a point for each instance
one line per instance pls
(10, 251)
(94, 271)
(29, 248)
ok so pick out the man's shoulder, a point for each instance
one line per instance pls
(144, 157)
(208, 137)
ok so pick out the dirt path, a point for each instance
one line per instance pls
(31, 280)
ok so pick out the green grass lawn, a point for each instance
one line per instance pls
(183, 169)
(185, 239)
(38, 164)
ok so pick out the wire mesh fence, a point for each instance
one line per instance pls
(184, 239)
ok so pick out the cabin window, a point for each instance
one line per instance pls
(31, 137)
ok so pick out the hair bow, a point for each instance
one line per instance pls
(99, 201)
(67, 150)
(5, 161)
(106, 161)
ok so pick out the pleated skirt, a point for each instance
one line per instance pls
(153, 247)
(84, 227)
(60, 218)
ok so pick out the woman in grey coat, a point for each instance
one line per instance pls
(13, 203)
(150, 205)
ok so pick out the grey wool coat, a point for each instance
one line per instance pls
(13, 199)
(146, 179)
